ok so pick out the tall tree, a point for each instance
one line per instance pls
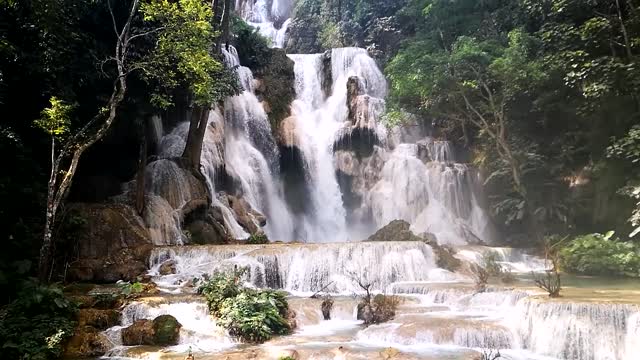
(66, 162)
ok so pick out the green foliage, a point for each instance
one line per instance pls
(56, 119)
(255, 315)
(35, 325)
(558, 78)
(330, 36)
(249, 314)
(222, 286)
(597, 254)
(286, 358)
(182, 55)
(253, 48)
(490, 262)
(130, 289)
(258, 238)
(628, 147)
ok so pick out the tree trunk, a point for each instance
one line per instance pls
(217, 14)
(225, 22)
(195, 138)
(142, 164)
(627, 43)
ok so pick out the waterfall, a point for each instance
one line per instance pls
(431, 192)
(271, 18)
(319, 121)
(251, 155)
(466, 333)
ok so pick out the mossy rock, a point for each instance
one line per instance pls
(99, 319)
(396, 230)
(166, 330)
(86, 342)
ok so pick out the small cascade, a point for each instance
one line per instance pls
(199, 330)
(632, 337)
(441, 331)
(271, 18)
(578, 331)
(335, 267)
(515, 260)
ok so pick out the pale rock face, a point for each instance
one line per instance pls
(287, 132)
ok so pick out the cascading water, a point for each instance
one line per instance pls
(579, 331)
(434, 194)
(333, 267)
(251, 155)
(395, 174)
(271, 18)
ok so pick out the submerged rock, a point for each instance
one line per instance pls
(167, 268)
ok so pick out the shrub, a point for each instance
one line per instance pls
(330, 36)
(219, 288)
(253, 48)
(597, 254)
(35, 325)
(130, 289)
(255, 315)
(490, 262)
(249, 314)
(258, 239)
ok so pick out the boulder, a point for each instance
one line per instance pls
(167, 268)
(166, 330)
(396, 230)
(86, 342)
(287, 133)
(138, 333)
(205, 226)
(161, 331)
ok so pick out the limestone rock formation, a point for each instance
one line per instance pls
(109, 228)
(250, 219)
(113, 243)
